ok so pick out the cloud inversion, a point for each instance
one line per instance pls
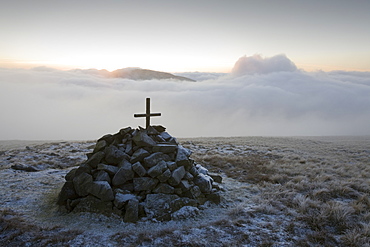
(259, 65)
(272, 98)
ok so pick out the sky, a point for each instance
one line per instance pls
(183, 36)
(262, 68)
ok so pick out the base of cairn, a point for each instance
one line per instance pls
(139, 173)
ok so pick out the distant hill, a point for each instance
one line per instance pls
(135, 74)
(145, 74)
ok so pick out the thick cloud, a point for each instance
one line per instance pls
(52, 104)
(256, 64)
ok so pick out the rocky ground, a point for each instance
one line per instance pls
(296, 191)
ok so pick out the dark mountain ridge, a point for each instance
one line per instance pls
(137, 74)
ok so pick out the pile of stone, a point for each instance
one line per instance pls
(139, 174)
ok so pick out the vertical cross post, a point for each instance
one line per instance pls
(147, 114)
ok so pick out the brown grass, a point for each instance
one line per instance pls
(15, 231)
(329, 201)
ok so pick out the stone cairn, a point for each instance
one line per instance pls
(139, 174)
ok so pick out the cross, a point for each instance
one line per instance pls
(147, 115)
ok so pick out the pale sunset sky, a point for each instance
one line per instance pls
(265, 68)
(180, 36)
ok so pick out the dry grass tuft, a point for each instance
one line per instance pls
(327, 201)
(15, 231)
(251, 169)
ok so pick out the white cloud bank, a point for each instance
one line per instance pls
(262, 96)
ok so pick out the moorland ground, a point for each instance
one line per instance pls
(278, 191)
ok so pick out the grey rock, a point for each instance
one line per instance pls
(165, 136)
(182, 157)
(67, 192)
(202, 169)
(152, 131)
(158, 206)
(129, 147)
(132, 211)
(111, 170)
(100, 145)
(82, 183)
(139, 155)
(71, 174)
(204, 182)
(114, 155)
(194, 171)
(23, 167)
(188, 176)
(164, 188)
(95, 159)
(185, 212)
(154, 158)
(142, 139)
(171, 165)
(176, 176)
(173, 141)
(127, 187)
(214, 197)
(124, 174)
(124, 163)
(194, 192)
(94, 205)
(139, 169)
(181, 202)
(108, 138)
(121, 199)
(125, 131)
(102, 190)
(157, 169)
(216, 177)
(165, 148)
(103, 176)
(164, 176)
(144, 183)
(83, 168)
(159, 128)
(185, 185)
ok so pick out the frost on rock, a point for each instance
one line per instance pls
(185, 212)
(139, 173)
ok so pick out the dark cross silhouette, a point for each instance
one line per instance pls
(147, 115)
